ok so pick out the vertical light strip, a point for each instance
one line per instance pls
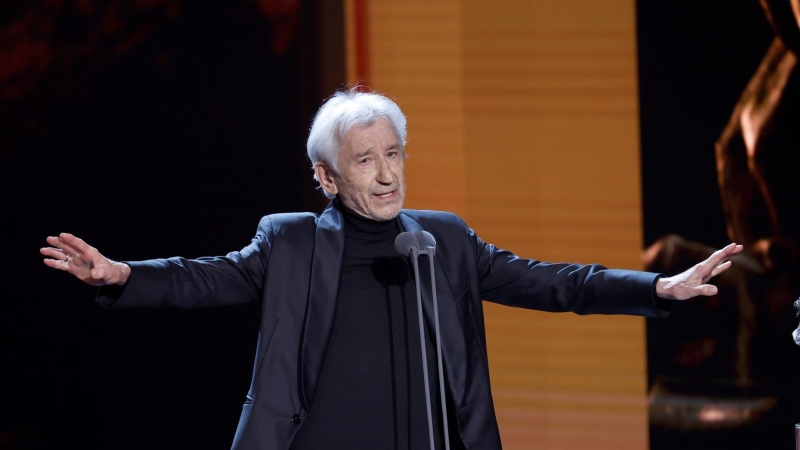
(357, 40)
(415, 54)
(350, 41)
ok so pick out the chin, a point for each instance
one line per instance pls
(385, 214)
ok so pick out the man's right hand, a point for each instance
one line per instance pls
(71, 254)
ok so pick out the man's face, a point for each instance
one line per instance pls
(371, 179)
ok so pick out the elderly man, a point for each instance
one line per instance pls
(339, 360)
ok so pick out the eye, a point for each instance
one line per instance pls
(364, 161)
(393, 153)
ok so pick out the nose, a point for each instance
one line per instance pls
(385, 174)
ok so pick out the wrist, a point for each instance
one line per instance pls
(662, 288)
(124, 273)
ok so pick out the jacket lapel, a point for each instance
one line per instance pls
(325, 270)
(454, 355)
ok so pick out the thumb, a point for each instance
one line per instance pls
(98, 274)
(706, 290)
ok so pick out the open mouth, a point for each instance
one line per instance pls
(386, 195)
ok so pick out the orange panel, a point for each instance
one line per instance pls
(523, 119)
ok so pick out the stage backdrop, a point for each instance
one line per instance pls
(523, 119)
(151, 129)
(720, 108)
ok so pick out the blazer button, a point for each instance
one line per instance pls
(296, 418)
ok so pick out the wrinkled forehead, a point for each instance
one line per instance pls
(379, 133)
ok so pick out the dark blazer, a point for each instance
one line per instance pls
(292, 266)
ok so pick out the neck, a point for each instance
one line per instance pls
(362, 227)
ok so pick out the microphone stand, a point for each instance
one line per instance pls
(430, 252)
(415, 261)
(796, 333)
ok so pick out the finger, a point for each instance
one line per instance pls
(706, 290)
(721, 268)
(56, 264)
(63, 246)
(61, 259)
(84, 253)
(55, 253)
(55, 241)
(720, 255)
(75, 242)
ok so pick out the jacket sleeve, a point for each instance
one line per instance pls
(178, 282)
(583, 289)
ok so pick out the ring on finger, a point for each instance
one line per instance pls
(69, 258)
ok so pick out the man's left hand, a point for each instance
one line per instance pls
(693, 282)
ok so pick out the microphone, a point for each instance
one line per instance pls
(426, 240)
(406, 242)
(796, 333)
(414, 245)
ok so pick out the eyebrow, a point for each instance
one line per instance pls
(363, 154)
(369, 151)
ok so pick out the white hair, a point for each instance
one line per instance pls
(344, 111)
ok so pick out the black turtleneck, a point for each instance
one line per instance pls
(371, 393)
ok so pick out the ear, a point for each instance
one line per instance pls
(326, 177)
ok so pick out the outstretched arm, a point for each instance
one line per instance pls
(71, 254)
(692, 283)
(177, 282)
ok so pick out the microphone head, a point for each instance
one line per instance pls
(405, 242)
(425, 239)
(796, 333)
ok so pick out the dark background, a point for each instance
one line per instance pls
(695, 59)
(150, 129)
